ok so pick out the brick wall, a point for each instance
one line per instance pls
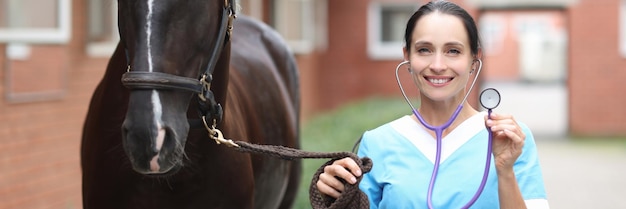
(597, 71)
(39, 135)
(35, 147)
(40, 140)
(309, 81)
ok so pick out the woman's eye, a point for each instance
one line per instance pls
(454, 51)
(423, 50)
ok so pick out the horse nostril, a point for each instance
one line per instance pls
(154, 164)
(152, 148)
(160, 138)
(124, 129)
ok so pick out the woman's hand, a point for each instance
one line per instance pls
(329, 182)
(508, 140)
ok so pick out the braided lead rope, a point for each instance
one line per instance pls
(351, 198)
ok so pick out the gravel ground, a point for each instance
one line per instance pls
(584, 174)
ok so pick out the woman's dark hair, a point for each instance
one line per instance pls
(444, 7)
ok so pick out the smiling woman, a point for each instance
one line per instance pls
(445, 134)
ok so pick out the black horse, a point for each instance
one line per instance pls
(145, 143)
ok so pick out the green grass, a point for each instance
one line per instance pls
(338, 130)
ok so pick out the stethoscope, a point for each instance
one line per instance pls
(489, 99)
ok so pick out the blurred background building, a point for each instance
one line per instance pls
(559, 64)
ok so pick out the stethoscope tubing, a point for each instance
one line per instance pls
(439, 134)
(483, 182)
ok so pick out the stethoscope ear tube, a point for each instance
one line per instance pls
(406, 62)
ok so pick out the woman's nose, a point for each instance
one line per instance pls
(438, 63)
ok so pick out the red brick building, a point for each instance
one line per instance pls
(597, 67)
(53, 55)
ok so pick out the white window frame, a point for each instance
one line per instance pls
(377, 49)
(622, 29)
(312, 25)
(106, 48)
(60, 34)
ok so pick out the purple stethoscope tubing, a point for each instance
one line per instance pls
(439, 133)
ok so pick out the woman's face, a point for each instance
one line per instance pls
(440, 56)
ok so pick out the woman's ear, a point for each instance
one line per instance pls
(477, 58)
(479, 54)
(405, 52)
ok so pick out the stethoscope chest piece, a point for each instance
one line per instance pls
(490, 98)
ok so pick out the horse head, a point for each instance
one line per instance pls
(172, 48)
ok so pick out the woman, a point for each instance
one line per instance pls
(442, 50)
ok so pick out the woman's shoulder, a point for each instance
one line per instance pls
(382, 140)
(386, 133)
(388, 128)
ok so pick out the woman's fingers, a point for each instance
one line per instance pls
(329, 185)
(496, 119)
(329, 182)
(515, 137)
(341, 170)
(508, 139)
(505, 127)
(350, 165)
(500, 123)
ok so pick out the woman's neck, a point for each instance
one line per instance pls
(437, 113)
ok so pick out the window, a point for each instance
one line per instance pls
(301, 23)
(35, 21)
(493, 29)
(386, 25)
(252, 8)
(622, 22)
(102, 28)
(542, 46)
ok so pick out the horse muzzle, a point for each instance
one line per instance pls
(155, 149)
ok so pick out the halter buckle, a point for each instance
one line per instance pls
(217, 135)
(205, 81)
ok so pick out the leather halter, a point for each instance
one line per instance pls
(208, 107)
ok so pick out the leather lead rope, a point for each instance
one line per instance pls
(351, 198)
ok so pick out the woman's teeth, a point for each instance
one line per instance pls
(438, 81)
